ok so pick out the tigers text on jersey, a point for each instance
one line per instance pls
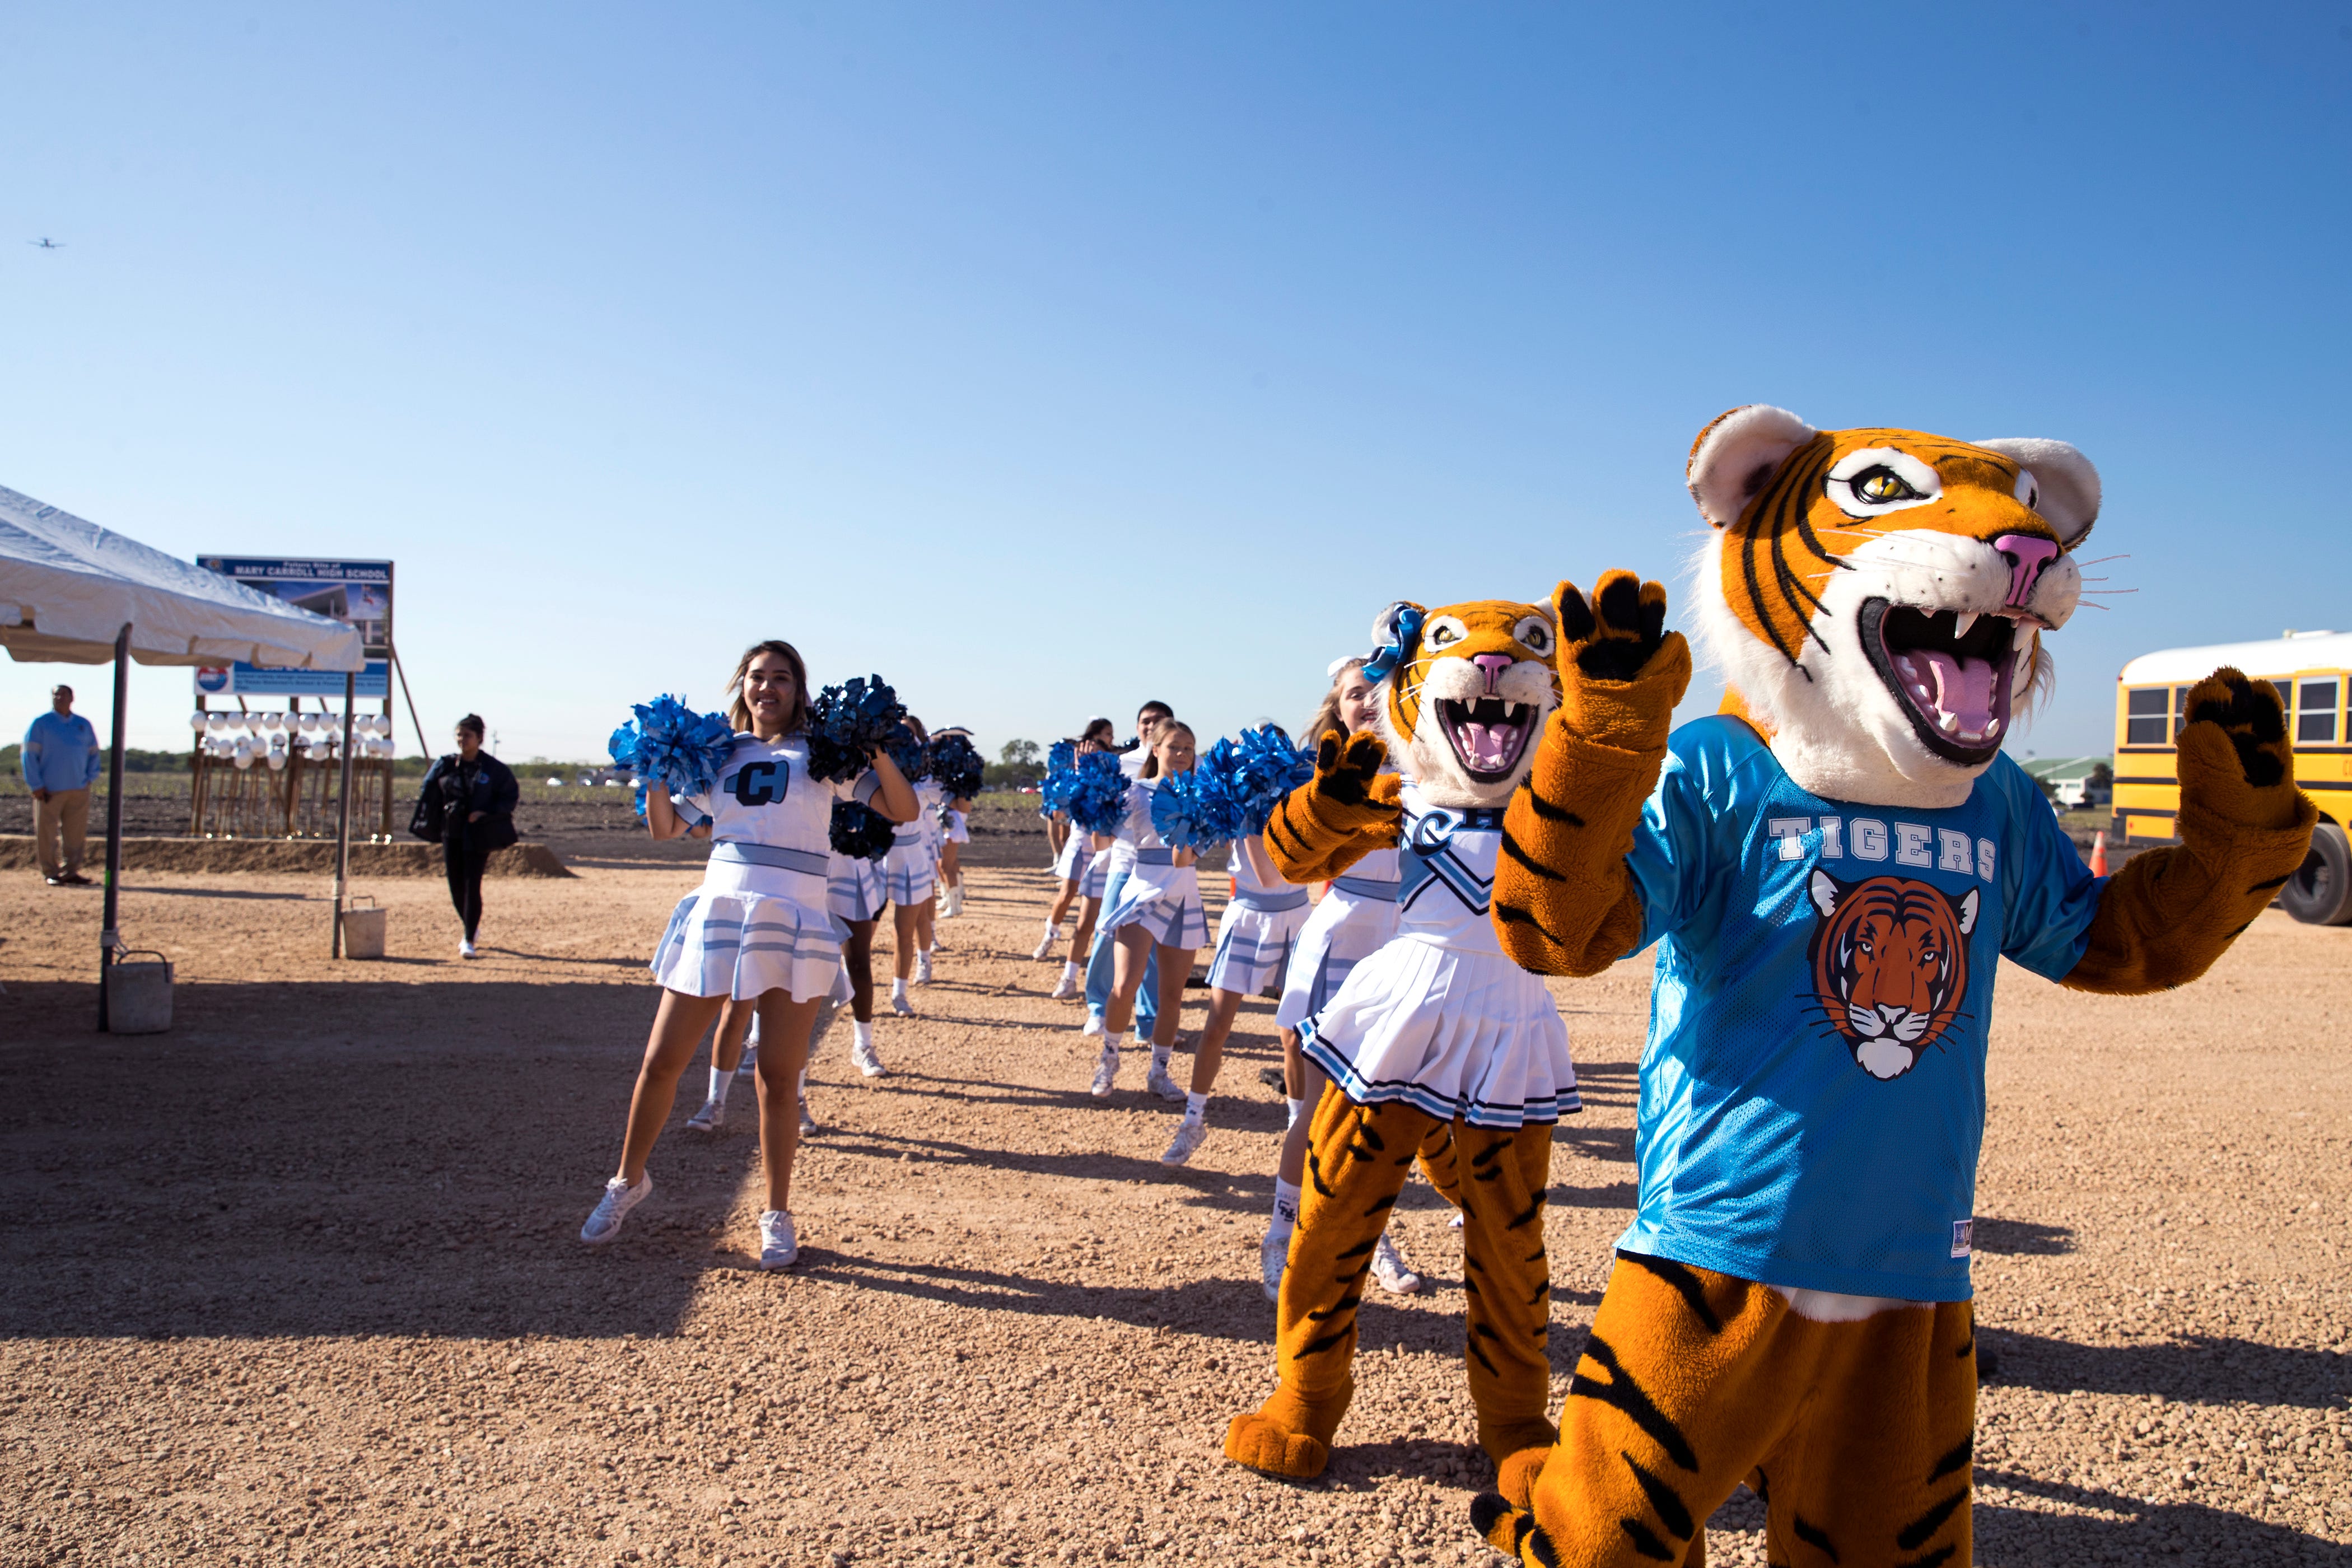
(765, 797)
(1812, 1091)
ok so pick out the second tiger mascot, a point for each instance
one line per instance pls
(1437, 1045)
(1831, 869)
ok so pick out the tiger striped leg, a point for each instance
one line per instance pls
(1356, 1157)
(1508, 1279)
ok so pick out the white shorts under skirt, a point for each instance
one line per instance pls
(910, 873)
(1451, 1033)
(1343, 930)
(733, 942)
(1254, 946)
(959, 827)
(1164, 901)
(1071, 864)
(854, 889)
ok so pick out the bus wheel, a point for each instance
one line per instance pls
(2320, 891)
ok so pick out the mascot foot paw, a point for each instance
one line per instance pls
(1512, 1532)
(1518, 1449)
(1514, 1476)
(1262, 1444)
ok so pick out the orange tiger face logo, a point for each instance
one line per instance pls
(1890, 965)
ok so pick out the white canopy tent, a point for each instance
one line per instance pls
(73, 592)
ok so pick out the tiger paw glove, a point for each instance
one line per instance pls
(1563, 900)
(2244, 829)
(1348, 809)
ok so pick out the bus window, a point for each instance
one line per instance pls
(2144, 715)
(2285, 690)
(2316, 711)
(2180, 709)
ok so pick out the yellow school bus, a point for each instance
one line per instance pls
(2313, 672)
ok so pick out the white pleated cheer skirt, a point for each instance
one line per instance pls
(959, 827)
(1452, 1033)
(1077, 855)
(1254, 946)
(1343, 931)
(911, 872)
(854, 889)
(1164, 901)
(729, 942)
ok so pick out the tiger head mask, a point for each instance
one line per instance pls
(1471, 689)
(1876, 599)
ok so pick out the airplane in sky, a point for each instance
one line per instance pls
(45, 243)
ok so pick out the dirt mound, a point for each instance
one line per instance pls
(215, 855)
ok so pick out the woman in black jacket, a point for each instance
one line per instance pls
(472, 794)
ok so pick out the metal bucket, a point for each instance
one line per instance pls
(138, 995)
(363, 930)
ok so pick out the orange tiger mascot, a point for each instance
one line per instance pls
(1832, 869)
(1437, 1045)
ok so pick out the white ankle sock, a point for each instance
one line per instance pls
(1297, 1110)
(1285, 1207)
(898, 989)
(720, 1082)
(1070, 969)
(865, 1028)
(1160, 1057)
(1053, 931)
(1196, 1107)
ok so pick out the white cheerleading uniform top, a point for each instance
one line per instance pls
(1446, 895)
(769, 822)
(1122, 845)
(1269, 896)
(924, 828)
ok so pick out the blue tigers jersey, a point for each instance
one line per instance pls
(1813, 1095)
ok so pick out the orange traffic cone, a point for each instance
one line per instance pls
(2099, 853)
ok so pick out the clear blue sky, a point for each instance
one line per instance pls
(1049, 358)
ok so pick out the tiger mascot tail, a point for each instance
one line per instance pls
(1438, 1048)
(1831, 869)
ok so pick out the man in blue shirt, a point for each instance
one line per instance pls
(60, 759)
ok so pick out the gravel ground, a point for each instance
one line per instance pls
(299, 1282)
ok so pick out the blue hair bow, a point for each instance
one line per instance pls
(1404, 633)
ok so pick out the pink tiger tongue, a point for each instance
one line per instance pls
(1489, 745)
(1963, 687)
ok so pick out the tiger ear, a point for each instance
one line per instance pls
(1824, 892)
(1735, 457)
(1969, 907)
(2067, 483)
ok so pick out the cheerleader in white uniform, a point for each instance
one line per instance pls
(1355, 920)
(1157, 915)
(1255, 939)
(757, 929)
(911, 876)
(1071, 858)
(955, 830)
(855, 890)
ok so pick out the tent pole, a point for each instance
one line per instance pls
(343, 813)
(108, 939)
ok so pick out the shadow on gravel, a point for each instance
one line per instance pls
(2021, 1538)
(2021, 1238)
(326, 1158)
(2198, 1369)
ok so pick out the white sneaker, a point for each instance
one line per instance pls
(1047, 946)
(1106, 1072)
(951, 902)
(1273, 1256)
(922, 969)
(614, 1207)
(1190, 1136)
(862, 1058)
(1066, 989)
(779, 1248)
(1094, 1024)
(465, 948)
(1160, 1084)
(809, 1128)
(1388, 1270)
(901, 1005)
(709, 1119)
(750, 1066)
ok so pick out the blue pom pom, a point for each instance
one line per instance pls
(1195, 810)
(859, 833)
(914, 762)
(1253, 773)
(671, 744)
(847, 723)
(956, 764)
(1097, 793)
